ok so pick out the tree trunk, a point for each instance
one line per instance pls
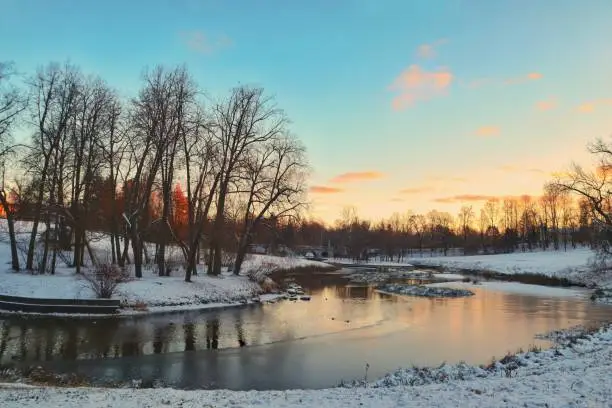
(13, 239)
(137, 251)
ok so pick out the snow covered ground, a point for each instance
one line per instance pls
(156, 294)
(577, 375)
(572, 265)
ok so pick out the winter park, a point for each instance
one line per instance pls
(236, 204)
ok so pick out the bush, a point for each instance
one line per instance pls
(260, 272)
(104, 279)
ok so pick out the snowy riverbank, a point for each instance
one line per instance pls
(154, 294)
(576, 374)
(571, 265)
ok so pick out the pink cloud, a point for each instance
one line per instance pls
(357, 176)
(532, 76)
(488, 131)
(486, 81)
(325, 190)
(415, 190)
(416, 84)
(546, 105)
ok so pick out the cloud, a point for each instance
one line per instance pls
(487, 81)
(488, 131)
(464, 198)
(461, 198)
(397, 200)
(428, 51)
(588, 107)
(532, 76)
(546, 105)
(507, 167)
(534, 170)
(416, 84)
(357, 176)
(325, 190)
(202, 43)
(415, 190)
(444, 178)
(514, 169)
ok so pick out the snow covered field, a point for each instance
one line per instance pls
(576, 375)
(571, 265)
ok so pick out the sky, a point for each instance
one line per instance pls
(402, 105)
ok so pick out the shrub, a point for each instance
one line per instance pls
(104, 279)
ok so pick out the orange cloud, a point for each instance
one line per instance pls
(488, 131)
(512, 169)
(415, 190)
(480, 82)
(592, 105)
(325, 190)
(508, 168)
(532, 76)
(480, 198)
(546, 105)
(463, 198)
(357, 176)
(416, 84)
(397, 200)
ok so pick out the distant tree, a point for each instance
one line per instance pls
(12, 104)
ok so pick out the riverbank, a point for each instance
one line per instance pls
(576, 373)
(154, 294)
(555, 268)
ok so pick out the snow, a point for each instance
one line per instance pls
(577, 374)
(549, 263)
(152, 293)
(373, 262)
(517, 288)
(572, 264)
(424, 291)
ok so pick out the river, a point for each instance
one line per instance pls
(303, 344)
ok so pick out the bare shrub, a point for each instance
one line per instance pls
(261, 272)
(228, 259)
(104, 279)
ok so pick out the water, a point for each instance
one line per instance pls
(297, 344)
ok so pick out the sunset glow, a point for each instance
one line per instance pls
(434, 105)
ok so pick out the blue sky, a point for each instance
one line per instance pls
(490, 96)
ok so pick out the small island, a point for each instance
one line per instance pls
(423, 291)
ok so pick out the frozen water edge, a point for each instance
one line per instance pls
(574, 375)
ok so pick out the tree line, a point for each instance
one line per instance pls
(572, 211)
(167, 166)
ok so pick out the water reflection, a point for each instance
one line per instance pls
(296, 344)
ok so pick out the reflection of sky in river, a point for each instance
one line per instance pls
(305, 344)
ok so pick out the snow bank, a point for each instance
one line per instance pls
(154, 292)
(575, 375)
(572, 265)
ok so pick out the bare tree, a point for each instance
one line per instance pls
(12, 104)
(274, 174)
(153, 123)
(54, 93)
(466, 219)
(594, 187)
(246, 119)
(200, 153)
